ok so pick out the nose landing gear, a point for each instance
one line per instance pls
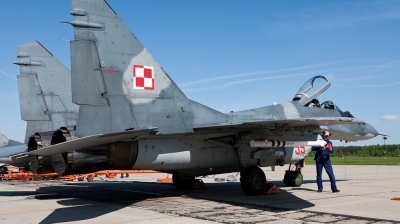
(294, 178)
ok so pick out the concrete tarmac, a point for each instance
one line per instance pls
(365, 197)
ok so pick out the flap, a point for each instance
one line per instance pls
(89, 141)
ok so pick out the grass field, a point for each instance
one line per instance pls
(360, 160)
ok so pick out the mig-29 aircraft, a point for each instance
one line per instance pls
(132, 115)
(44, 95)
(46, 103)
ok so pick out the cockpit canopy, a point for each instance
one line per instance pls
(308, 93)
(312, 89)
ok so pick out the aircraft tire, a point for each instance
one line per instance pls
(293, 179)
(89, 178)
(253, 181)
(297, 179)
(181, 182)
(287, 179)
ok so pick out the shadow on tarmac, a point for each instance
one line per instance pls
(84, 201)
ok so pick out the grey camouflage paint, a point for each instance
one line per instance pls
(44, 87)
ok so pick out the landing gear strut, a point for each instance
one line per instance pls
(3, 170)
(294, 178)
(253, 180)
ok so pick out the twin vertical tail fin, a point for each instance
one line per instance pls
(44, 88)
(116, 81)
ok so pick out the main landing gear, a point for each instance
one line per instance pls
(294, 178)
(253, 180)
(182, 182)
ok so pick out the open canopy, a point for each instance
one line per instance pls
(312, 89)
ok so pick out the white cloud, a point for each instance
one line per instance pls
(348, 14)
(11, 76)
(247, 81)
(390, 117)
(264, 72)
(331, 77)
(378, 86)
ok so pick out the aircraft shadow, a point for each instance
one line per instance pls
(88, 200)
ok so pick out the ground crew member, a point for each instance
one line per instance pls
(322, 160)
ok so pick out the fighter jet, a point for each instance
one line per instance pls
(44, 87)
(4, 141)
(132, 115)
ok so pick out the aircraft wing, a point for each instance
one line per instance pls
(258, 123)
(89, 141)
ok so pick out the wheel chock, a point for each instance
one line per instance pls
(271, 189)
(397, 198)
(165, 180)
(199, 184)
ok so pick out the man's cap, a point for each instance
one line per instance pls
(326, 133)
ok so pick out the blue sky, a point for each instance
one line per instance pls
(237, 55)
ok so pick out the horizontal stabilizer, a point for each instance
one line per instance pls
(90, 141)
(4, 141)
(12, 150)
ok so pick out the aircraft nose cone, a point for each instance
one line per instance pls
(371, 130)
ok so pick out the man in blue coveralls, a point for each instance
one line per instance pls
(323, 161)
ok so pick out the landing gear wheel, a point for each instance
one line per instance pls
(293, 179)
(287, 179)
(253, 181)
(298, 179)
(181, 182)
(89, 178)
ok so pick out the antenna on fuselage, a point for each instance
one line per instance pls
(284, 97)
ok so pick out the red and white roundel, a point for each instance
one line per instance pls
(143, 77)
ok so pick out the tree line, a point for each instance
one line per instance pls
(366, 151)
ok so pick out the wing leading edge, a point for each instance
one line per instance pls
(260, 121)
